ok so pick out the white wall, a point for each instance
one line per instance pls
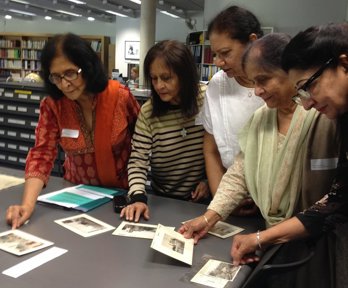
(284, 15)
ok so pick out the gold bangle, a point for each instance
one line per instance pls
(258, 239)
(206, 220)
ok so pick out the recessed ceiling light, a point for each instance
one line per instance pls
(48, 17)
(21, 12)
(116, 13)
(136, 1)
(20, 1)
(8, 17)
(169, 14)
(77, 1)
(90, 18)
(69, 13)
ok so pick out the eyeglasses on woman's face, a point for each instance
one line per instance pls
(302, 91)
(69, 75)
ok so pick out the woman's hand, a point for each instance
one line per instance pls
(132, 212)
(202, 191)
(17, 215)
(244, 248)
(195, 228)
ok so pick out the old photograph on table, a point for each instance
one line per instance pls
(137, 230)
(224, 230)
(173, 244)
(216, 274)
(19, 243)
(84, 225)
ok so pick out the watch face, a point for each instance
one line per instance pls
(120, 202)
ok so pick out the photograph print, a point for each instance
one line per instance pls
(223, 230)
(19, 243)
(137, 230)
(173, 244)
(216, 274)
(84, 225)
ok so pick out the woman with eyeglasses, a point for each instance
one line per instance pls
(90, 117)
(317, 64)
(277, 164)
(230, 99)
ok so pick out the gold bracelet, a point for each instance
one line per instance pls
(206, 220)
(258, 239)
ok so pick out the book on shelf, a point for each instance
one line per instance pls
(80, 197)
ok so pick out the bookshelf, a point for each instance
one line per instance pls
(201, 51)
(20, 53)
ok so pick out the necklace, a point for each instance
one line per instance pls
(183, 132)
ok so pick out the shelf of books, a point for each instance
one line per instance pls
(20, 54)
(200, 48)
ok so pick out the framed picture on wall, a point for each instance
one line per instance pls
(132, 50)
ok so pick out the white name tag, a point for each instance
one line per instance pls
(70, 133)
(324, 164)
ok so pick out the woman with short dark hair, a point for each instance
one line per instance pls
(91, 118)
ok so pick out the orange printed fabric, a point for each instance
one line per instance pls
(80, 161)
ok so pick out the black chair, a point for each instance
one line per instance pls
(263, 268)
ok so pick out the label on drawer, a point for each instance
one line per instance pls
(22, 109)
(22, 96)
(16, 121)
(28, 92)
(35, 97)
(12, 158)
(25, 135)
(12, 133)
(11, 108)
(12, 146)
(8, 94)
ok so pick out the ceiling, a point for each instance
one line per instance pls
(62, 9)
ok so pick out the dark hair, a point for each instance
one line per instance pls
(79, 52)
(316, 45)
(270, 49)
(178, 59)
(239, 23)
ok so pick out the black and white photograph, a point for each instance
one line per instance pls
(224, 230)
(84, 225)
(19, 243)
(173, 244)
(132, 50)
(216, 274)
(137, 230)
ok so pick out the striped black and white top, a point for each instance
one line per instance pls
(172, 147)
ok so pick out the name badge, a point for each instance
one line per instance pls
(324, 164)
(70, 133)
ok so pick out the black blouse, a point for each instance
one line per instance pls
(332, 209)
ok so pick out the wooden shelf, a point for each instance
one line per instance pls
(23, 46)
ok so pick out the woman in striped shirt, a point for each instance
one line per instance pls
(166, 139)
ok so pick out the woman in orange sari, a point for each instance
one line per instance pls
(90, 117)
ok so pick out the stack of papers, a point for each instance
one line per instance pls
(80, 197)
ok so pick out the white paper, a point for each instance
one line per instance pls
(33, 262)
(173, 244)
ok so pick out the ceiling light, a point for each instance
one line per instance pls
(169, 14)
(48, 17)
(20, 1)
(90, 18)
(77, 1)
(69, 13)
(136, 1)
(21, 12)
(8, 17)
(116, 13)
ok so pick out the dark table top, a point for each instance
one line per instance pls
(106, 260)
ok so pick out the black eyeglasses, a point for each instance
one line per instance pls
(302, 93)
(69, 75)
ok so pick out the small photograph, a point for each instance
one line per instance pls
(216, 274)
(19, 243)
(137, 230)
(224, 230)
(85, 225)
(173, 244)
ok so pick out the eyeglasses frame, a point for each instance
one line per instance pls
(63, 76)
(302, 92)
